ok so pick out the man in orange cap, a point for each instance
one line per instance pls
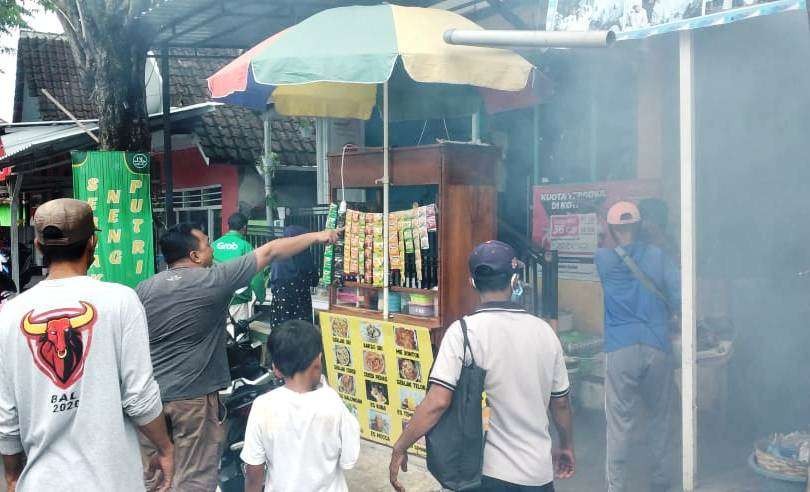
(641, 286)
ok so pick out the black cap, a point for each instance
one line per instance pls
(496, 255)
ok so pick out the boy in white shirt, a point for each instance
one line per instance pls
(302, 433)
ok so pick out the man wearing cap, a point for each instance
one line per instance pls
(525, 374)
(75, 373)
(186, 307)
(641, 286)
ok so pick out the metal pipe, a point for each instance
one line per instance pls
(537, 39)
(70, 115)
(14, 186)
(267, 166)
(168, 173)
(386, 189)
(475, 130)
(688, 270)
(551, 265)
(536, 145)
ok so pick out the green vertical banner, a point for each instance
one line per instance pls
(116, 185)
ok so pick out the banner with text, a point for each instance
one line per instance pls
(116, 185)
(570, 219)
(636, 19)
(380, 369)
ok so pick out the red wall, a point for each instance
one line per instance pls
(190, 171)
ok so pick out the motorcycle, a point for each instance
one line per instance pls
(250, 379)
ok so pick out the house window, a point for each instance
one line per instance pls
(201, 206)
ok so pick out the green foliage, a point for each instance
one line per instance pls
(12, 16)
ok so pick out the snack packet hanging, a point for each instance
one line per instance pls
(329, 250)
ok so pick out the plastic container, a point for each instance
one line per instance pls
(420, 310)
(773, 482)
(346, 296)
(394, 303)
(712, 376)
(565, 321)
(422, 299)
(592, 393)
(423, 305)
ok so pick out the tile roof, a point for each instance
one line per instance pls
(232, 131)
(45, 62)
(230, 134)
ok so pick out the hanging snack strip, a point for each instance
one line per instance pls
(329, 250)
(369, 249)
(407, 236)
(379, 250)
(361, 247)
(394, 257)
(354, 233)
(421, 230)
(339, 250)
(412, 258)
(347, 247)
(430, 213)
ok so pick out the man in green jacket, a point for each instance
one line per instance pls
(233, 245)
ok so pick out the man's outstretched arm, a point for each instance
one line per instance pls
(287, 247)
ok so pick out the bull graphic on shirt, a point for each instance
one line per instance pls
(60, 340)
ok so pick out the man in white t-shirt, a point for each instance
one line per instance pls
(525, 375)
(75, 372)
(302, 433)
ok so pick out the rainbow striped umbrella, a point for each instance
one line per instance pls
(331, 64)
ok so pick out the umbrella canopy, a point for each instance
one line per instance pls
(330, 65)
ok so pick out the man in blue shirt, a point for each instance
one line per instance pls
(638, 308)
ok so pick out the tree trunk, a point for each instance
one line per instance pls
(110, 51)
(119, 95)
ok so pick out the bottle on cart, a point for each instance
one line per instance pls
(410, 274)
(428, 275)
(425, 284)
(434, 259)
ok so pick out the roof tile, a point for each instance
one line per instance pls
(231, 134)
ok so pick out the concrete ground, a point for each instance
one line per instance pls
(371, 472)
(722, 463)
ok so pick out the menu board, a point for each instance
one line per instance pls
(380, 369)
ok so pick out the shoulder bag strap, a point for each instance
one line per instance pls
(639, 274)
(466, 343)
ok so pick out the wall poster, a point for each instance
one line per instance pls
(571, 220)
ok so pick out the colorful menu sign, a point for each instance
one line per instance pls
(116, 185)
(380, 369)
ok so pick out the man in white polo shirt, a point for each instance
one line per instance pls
(525, 374)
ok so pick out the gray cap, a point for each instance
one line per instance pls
(67, 221)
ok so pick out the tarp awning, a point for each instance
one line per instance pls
(25, 142)
(637, 19)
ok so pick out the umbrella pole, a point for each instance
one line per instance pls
(385, 179)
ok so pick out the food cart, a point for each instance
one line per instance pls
(443, 202)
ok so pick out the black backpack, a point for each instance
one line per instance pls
(455, 445)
